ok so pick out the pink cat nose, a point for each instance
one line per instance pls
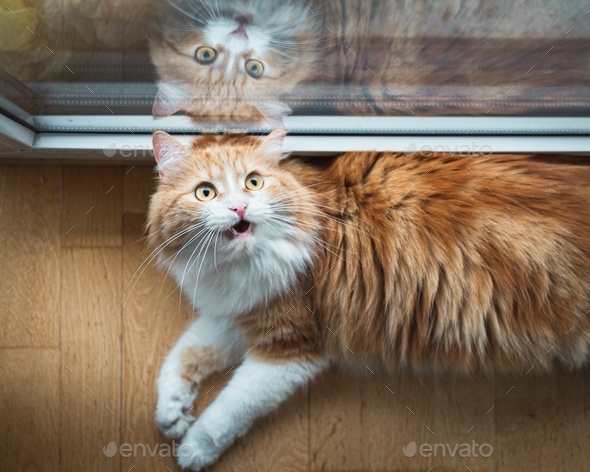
(240, 209)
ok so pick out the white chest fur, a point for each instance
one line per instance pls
(226, 288)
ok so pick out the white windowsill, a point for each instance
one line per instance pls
(486, 135)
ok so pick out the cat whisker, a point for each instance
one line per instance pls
(321, 243)
(186, 267)
(279, 200)
(294, 59)
(217, 8)
(214, 13)
(208, 9)
(191, 238)
(288, 221)
(286, 195)
(186, 13)
(315, 226)
(296, 47)
(312, 185)
(143, 266)
(199, 245)
(200, 267)
(215, 252)
(289, 25)
(175, 256)
(320, 214)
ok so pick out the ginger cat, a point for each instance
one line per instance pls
(427, 262)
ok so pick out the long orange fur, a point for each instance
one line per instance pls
(424, 261)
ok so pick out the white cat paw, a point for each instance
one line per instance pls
(173, 412)
(197, 449)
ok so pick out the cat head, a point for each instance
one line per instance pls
(230, 196)
(233, 59)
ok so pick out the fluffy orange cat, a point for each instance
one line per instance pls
(370, 258)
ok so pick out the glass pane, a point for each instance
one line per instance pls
(240, 63)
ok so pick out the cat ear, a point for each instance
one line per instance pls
(169, 100)
(273, 143)
(167, 151)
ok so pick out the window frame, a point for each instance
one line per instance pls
(488, 135)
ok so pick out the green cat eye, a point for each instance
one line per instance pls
(205, 192)
(254, 68)
(205, 55)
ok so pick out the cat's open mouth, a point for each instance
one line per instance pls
(242, 228)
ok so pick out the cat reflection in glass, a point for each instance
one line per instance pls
(232, 60)
(238, 60)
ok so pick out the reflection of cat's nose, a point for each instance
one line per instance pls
(240, 33)
(240, 209)
(244, 18)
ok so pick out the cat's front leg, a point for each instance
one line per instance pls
(208, 346)
(256, 388)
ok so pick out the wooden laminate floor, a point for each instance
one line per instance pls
(78, 366)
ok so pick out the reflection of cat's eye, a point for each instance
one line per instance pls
(254, 182)
(205, 192)
(254, 68)
(205, 55)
